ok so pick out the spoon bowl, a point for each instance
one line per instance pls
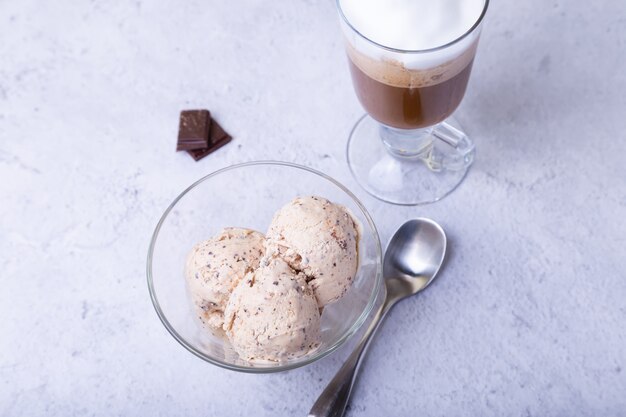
(414, 256)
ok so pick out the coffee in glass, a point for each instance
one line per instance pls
(410, 62)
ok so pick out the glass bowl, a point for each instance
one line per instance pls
(247, 195)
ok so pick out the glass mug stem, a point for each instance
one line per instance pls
(440, 147)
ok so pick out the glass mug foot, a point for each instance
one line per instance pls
(409, 167)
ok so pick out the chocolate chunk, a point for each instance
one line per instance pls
(216, 133)
(194, 130)
(217, 138)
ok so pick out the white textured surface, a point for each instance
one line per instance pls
(528, 317)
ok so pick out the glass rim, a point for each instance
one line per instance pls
(415, 51)
(278, 368)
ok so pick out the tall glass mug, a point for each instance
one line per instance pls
(410, 62)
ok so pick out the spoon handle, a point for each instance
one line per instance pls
(333, 400)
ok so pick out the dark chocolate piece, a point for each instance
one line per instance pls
(217, 138)
(194, 130)
(198, 154)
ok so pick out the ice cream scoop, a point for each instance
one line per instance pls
(215, 267)
(272, 314)
(318, 238)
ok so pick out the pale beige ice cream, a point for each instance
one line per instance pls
(215, 267)
(272, 315)
(266, 293)
(318, 238)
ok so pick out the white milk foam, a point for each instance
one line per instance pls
(413, 25)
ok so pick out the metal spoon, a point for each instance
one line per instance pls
(413, 258)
